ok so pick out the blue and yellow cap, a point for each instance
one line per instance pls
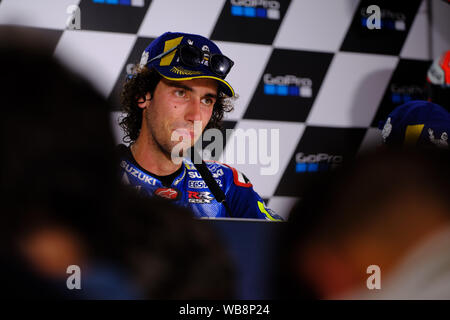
(417, 123)
(170, 66)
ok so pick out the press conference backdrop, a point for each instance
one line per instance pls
(309, 68)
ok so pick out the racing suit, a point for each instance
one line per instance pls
(188, 189)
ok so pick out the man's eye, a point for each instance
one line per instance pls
(180, 93)
(207, 101)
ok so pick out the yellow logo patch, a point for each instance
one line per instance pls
(184, 72)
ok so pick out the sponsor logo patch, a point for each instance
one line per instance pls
(184, 72)
(200, 184)
(199, 197)
(196, 174)
(167, 193)
(138, 174)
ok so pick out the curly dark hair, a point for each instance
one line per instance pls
(145, 80)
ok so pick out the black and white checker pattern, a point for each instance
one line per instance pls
(344, 78)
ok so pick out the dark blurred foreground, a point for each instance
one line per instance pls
(63, 204)
(389, 208)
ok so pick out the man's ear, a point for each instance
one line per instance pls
(144, 103)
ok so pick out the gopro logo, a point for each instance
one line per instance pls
(132, 3)
(288, 85)
(316, 162)
(402, 94)
(266, 9)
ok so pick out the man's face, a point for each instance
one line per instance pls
(174, 108)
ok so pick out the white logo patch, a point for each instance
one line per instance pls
(440, 143)
(144, 59)
(386, 129)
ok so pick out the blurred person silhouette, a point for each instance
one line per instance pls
(63, 204)
(390, 208)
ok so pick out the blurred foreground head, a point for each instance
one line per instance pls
(390, 209)
(62, 203)
(58, 164)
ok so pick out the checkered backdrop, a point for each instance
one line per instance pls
(310, 68)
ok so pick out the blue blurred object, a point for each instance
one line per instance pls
(107, 282)
(417, 123)
(252, 245)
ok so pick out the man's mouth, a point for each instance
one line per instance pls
(183, 132)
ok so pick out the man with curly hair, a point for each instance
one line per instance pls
(176, 92)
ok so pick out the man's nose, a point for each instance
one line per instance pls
(193, 112)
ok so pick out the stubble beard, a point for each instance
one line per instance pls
(165, 147)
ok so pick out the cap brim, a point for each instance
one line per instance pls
(225, 86)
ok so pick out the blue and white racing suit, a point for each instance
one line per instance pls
(188, 189)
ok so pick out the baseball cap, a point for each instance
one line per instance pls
(171, 67)
(417, 123)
